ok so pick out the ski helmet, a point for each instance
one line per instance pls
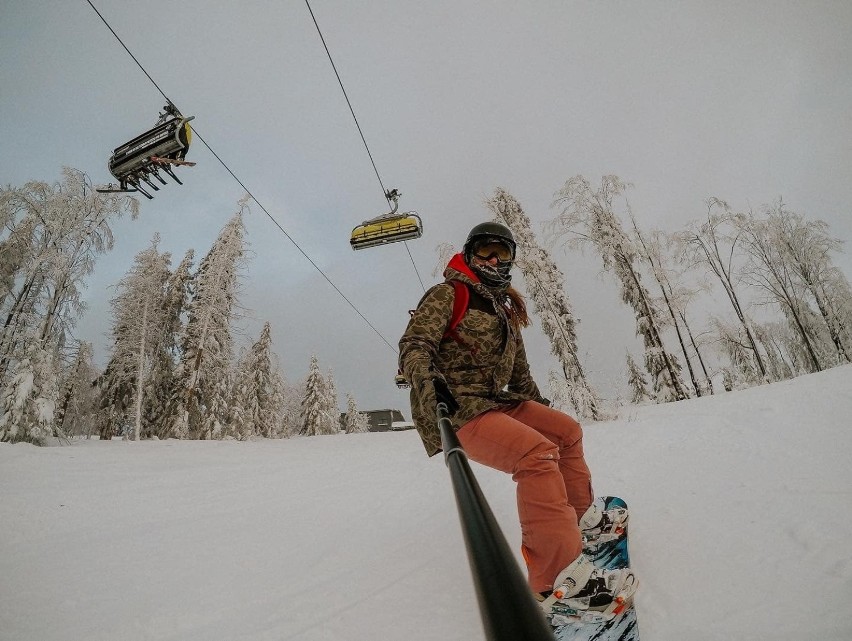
(490, 232)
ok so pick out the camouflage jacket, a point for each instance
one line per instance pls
(487, 368)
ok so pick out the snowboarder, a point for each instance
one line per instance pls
(479, 369)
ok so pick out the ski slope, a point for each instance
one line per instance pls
(740, 529)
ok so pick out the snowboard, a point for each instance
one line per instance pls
(608, 554)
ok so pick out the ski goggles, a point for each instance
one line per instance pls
(493, 249)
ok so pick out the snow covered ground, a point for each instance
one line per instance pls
(741, 528)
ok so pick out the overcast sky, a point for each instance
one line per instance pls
(746, 101)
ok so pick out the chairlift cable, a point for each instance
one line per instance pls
(295, 244)
(408, 249)
(130, 53)
(346, 96)
(385, 192)
(247, 190)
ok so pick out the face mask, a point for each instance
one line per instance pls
(493, 275)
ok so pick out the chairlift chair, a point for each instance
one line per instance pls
(141, 159)
(400, 380)
(388, 228)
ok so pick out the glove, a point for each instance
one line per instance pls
(444, 395)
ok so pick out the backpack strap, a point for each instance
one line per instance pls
(461, 300)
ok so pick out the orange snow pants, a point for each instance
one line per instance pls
(542, 449)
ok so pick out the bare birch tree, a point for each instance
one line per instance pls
(806, 248)
(587, 217)
(769, 270)
(675, 298)
(55, 233)
(713, 244)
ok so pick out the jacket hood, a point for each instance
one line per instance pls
(458, 269)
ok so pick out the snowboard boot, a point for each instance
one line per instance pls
(584, 592)
(601, 526)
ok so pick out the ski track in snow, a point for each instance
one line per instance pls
(740, 521)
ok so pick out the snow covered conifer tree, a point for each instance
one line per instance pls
(637, 381)
(545, 283)
(331, 422)
(314, 402)
(28, 400)
(198, 406)
(138, 311)
(583, 207)
(167, 351)
(291, 409)
(279, 405)
(78, 400)
(319, 411)
(239, 425)
(355, 422)
(255, 384)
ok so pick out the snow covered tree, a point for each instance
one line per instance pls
(279, 403)
(139, 315)
(49, 241)
(198, 406)
(545, 284)
(713, 244)
(354, 422)
(774, 338)
(115, 389)
(654, 250)
(806, 247)
(736, 349)
(331, 424)
(15, 247)
(238, 424)
(78, 398)
(291, 420)
(255, 393)
(637, 381)
(28, 399)
(565, 396)
(587, 216)
(314, 402)
(445, 252)
(55, 233)
(166, 354)
(319, 403)
(768, 269)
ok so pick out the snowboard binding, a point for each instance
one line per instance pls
(604, 598)
(602, 526)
